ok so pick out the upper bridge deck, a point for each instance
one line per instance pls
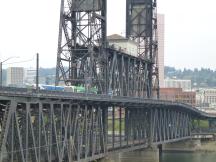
(108, 100)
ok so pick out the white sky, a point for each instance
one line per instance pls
(31, 26)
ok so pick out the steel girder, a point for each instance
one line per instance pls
(81, 58)
(128, 76)
(141, 26)
(52, 131)
(58, 130)
(156, 126)
(168, 125)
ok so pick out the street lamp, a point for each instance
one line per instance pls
(1, 62)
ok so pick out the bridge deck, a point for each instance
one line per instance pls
(42, 125)
(105, 99)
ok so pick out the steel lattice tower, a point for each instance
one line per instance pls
(81, 55)
(141, 26)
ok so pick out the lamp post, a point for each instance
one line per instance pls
(1, 62)
(1, 74)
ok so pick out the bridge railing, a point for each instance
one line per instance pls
(203, 130)
(7, 91)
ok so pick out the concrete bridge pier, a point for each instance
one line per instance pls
(147, 155)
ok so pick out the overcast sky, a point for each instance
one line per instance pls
(31, 26)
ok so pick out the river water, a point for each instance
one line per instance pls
(140, 156)
(189, 157)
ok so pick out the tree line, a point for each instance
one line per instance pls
(203, 77)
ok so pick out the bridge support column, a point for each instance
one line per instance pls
(160, 150)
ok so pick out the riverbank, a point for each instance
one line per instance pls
(209, 146)
(191, 146)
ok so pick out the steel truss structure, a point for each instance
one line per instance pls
(81, 58)
(128, 75)
(84, 57)
(141, 26)
(55, 126)
(50, 129)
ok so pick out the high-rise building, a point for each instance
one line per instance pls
(160, 27)
(15, 76)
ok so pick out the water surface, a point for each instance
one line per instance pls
(189, 157)
(142, 156)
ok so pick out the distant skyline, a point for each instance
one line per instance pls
(31, 26)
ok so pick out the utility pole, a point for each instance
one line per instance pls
(0, 74)
(37, 72)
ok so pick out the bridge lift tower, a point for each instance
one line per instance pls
(141, 26)
(81, 59)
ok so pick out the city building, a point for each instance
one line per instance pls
(15, 76)
(121, 43)
(178, 95)
(30, 76)
(177, 83)
(160, 27)
(206, 98)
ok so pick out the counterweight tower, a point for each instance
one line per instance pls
(141, 26)
(81, 54)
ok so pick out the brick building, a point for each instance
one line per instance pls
(177, 95)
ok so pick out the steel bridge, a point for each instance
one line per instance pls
(64, 126)
(125, 115)
(84, 56)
